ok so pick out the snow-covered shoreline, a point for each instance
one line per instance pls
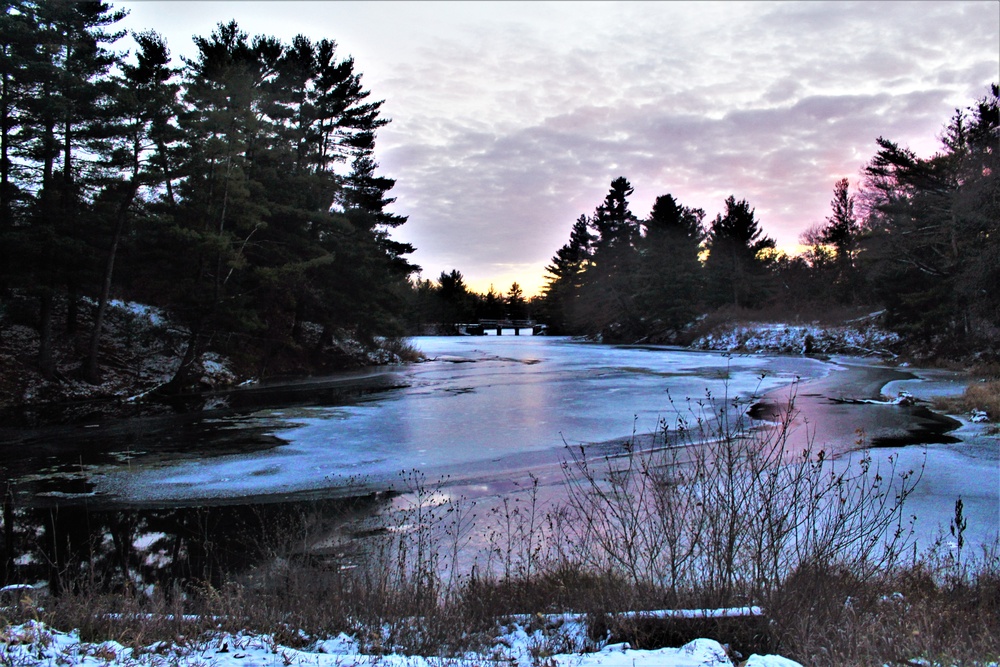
(141, 352)
(861, 338)
(35, 644)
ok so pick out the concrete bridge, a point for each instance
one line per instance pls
(483, 326)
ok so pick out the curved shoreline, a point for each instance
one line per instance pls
(840, 395)
(829, 410)
(847, 410)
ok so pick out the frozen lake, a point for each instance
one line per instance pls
(486, 412)
(478, 404)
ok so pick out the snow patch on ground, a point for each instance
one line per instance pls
(33, 643)
(139, 351)
(365, 355)
(154, 316)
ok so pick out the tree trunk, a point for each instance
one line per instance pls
(182, 377)
(46, 363)
(6, 189)
(92, 372)
(297, 321)
(324, 336)
(67, 204)
(8, 535)
(72, 307)
(161, 150)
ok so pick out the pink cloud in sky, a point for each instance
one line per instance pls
(510, 119)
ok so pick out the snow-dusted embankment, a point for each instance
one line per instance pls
(34, 644)
(860, 338)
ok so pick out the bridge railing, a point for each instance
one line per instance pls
(507, 324)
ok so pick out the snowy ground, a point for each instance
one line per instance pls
(141, 350)
(35, 644)
(860, 338)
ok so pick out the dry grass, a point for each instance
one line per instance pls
(983, 396)
(403, 348)
(980, 396)
(819, 617)
(917, 612)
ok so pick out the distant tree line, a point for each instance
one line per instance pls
(239, 192)
(448, 300)
(921, 240)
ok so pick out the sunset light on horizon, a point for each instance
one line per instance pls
(510, 119)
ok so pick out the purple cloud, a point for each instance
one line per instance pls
(511, 119)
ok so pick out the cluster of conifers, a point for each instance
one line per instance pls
(237, 192)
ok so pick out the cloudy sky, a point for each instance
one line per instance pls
(510, 119)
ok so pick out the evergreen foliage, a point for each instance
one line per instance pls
(920, 240)
(931, 246)
(609, 285)
(629, 278)
(562, 303)
(670, 276)
(736, 265)
(517, 307)
(239, 193)
(841, 233)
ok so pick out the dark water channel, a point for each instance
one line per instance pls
(196, 496)
(65, 544)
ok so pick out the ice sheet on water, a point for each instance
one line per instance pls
(518, 396)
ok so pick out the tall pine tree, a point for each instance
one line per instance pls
(670, 273)
(561, 296)
(736, 263)
(609, 283)
(931, 244)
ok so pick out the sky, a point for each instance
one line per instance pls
(511, 119)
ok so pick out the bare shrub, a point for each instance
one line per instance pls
(721, 506)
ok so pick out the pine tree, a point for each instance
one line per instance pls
(616, 227)
(517, 307)
(454, 298)
(930, 248)
(670, 280)
(736, 264)
(221, 208)
(61, 81)
(143, 102)
(841, 232)
(564, 280)
(493, 306)
(609, 284)
(370, 275)
(18, 40)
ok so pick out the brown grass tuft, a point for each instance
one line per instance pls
(983, 395)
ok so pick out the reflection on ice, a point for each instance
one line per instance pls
(512, 397)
